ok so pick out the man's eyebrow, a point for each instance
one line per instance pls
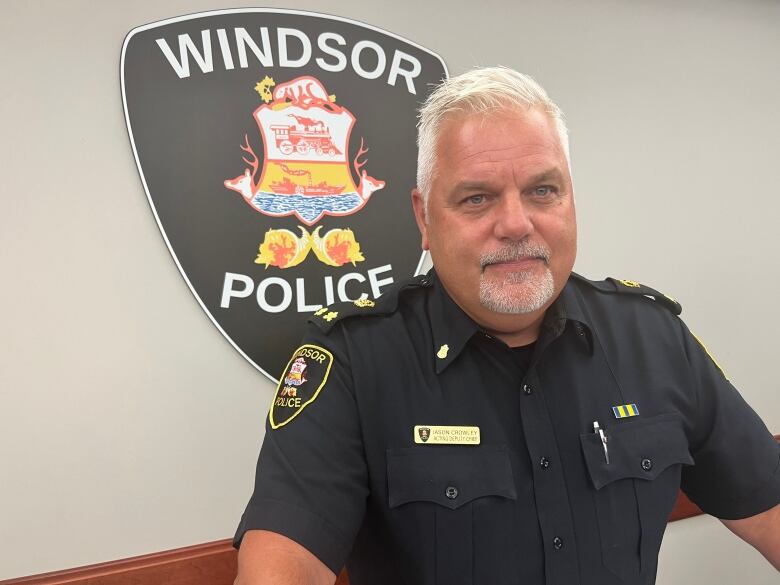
(553, 174)
(548, 175)
(471, 185)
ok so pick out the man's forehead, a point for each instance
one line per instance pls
(480, 118)
(496, 134)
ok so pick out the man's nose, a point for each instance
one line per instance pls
(514, 220)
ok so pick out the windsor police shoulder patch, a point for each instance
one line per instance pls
(303, 379)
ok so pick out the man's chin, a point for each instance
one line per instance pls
(515, 273)
(519, 295)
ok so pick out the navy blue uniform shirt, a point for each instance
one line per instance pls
(371, 457)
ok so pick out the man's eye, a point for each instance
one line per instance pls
(475, 199)
(544, 191)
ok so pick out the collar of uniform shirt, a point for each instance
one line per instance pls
(568, 310)
(452, 328)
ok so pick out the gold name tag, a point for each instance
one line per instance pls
(440, 435)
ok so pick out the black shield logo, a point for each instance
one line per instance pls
(277, 151)
(424, 433)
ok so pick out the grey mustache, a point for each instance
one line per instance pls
(515, 252)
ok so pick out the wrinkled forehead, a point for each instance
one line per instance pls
(478, 119)
(481, 116)
(500, 107)
(484, 123)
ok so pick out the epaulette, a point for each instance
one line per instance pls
(614, 285)
(326, 317)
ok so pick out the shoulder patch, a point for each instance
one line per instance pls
(303, 378)
(614, 285)
(326, 317)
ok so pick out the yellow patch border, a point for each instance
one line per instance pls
(707, 351)
(281, 381)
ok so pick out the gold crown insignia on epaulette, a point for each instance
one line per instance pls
(632, 287)
(326, 317)
(637, 288)
(630, 283)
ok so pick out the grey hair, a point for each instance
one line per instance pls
(479, 91)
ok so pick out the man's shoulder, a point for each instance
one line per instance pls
(628, 290)
(326, 318)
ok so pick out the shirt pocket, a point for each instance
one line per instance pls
(635, 492)
(437, 493)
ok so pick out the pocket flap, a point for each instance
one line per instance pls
(448, 476)
(640, 449)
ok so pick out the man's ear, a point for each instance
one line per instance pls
(418, 204)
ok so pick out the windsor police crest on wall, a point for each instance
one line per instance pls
(277, 151)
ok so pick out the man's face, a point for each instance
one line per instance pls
(500, 225)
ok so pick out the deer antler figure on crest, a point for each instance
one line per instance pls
(254, 162)
(368, 184)
(245, 184)
(356, 164)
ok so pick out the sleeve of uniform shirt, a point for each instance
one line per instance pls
(311, 480)
(737, 460)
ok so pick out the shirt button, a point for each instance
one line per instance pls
(557, 543)
(527, 389)
(647, 464)
(451, 492)
(544, 463)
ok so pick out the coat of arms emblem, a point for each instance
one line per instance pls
(296, 377)
(306, 172)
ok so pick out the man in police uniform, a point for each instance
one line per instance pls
(501, 420)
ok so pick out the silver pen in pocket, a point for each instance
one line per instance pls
(597, 429)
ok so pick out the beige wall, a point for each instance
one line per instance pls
(129, 425)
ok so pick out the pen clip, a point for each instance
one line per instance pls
(600, 432)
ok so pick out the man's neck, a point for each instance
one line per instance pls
(528, 334)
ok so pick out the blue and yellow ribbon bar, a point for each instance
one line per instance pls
(625, 410)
